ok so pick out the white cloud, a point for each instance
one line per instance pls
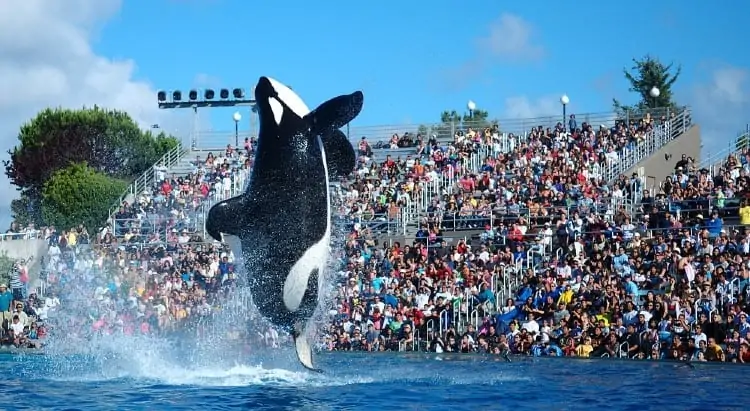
(721, 106)
(46, 59)
(520, 113)
(510, 37)
(523, 107)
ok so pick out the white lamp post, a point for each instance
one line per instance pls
(564, 100)
(237, 117)
(471, 105)
(654, 93)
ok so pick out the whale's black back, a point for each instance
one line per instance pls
(287, 202)
(284, 210)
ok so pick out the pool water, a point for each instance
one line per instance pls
(361, 381)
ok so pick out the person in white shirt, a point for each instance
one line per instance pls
(17, 327)
(630, 314)
(531, 325)
(699, 335)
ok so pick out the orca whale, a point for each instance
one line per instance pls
(281, 224)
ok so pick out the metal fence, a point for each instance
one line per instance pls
(374, 133)
(717, 159)
(148, 178)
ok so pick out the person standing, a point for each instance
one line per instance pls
(6, 298)
(17, 285)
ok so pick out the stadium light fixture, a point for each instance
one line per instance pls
(227, 97)
(564, 100)
(654, 93)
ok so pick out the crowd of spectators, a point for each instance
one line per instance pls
(148, 272)
(514, 175)
(557, 261)
(552, 269)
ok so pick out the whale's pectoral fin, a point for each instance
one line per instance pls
(336, 112)
(304, 351)
(226, 217)
(340, 157)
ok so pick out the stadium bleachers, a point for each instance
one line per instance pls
(505, 240)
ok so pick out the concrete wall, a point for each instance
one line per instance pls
(23, 249)
(656, 168)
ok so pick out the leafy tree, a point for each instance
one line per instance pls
(646, 74)
(79, 194)
(24, 210)
(109, 141)
(450, 121)
(6, 265)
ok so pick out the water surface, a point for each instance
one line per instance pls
(360, 381)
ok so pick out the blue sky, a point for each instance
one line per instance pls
(411, 59)
(414, 59)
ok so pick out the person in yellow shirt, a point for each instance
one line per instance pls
(72, 238)
(566, 296)
(584, 350)
(745, 213)
(714, 351)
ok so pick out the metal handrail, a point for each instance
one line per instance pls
(26, 235)
(168, 160)
(657, 138)
(716, 159)
(445, 131)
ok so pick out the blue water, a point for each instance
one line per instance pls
(355, 381)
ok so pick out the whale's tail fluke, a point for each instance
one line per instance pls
(304, 351)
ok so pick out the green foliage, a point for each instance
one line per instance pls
(6, 265)
(108, 141)
(450, 121)
(79, 194)
(646, 74)
(23, 209)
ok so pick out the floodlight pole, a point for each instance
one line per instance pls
(194, 137)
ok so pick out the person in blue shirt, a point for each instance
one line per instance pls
(6, 299)
(714, 225)
(620, 259)
(631, 288)
(486, 296)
